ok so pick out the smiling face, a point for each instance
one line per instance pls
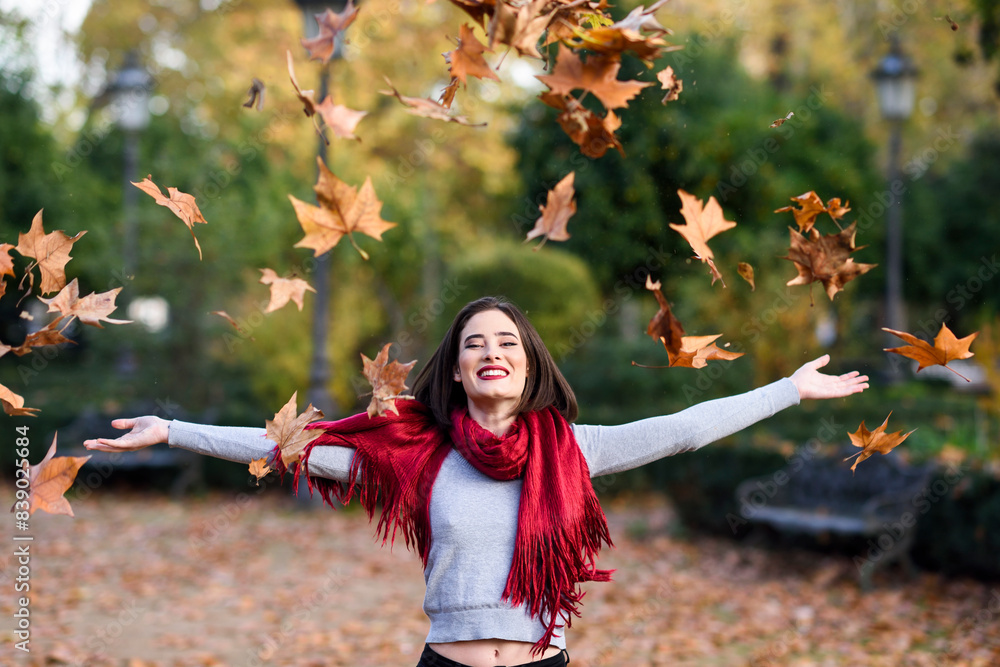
(492, 362)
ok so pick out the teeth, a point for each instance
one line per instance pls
(492, 373)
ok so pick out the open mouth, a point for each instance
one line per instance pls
(493, 372)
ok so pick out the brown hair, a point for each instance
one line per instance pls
(436, 388)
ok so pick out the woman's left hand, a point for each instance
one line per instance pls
(813, 384)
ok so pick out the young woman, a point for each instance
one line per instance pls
(490, 426)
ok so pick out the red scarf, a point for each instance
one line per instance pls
(560, 524)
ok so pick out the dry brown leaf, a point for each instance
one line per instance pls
(259, 468)
(47, 335)
(284, 289)
(288, 430)
(558, 209)
(339, 118)
(448, 94)
(426, 108)
(50, 252)
(778, 122)
(598, 75)
(874, 441)
(467, 59)
(255, 96)
(520, 26)
(664, 327)
(183, 205)
(50, 478)
(13, 404)
(243, 331)
(331, 24)
(342, 210)
(702, 224)
(810, 206)
(947, 347)
(746, 273)
(91, 309)
(697, 351)
(825, 259)
(669, 83)
(387, 379)
(593, 134)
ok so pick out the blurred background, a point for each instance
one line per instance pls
(895, 109)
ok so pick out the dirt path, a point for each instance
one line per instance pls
(251, 580)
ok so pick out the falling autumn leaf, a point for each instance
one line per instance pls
(627, 35)
(183, 205)
(467, 59)
(951, 22)
(259, 468)
(556, 212)
(243, 331)
(593, 134)
(448, 94)
(702, 224)
(49, 479)
(598, 75)
(810, 206)
(420, 106)
(874, 441)
(746, 273)
(6, 265)
(669, 83)
(696, 352)
(284, 289)
(339, 118)
(520, 26)
(825, 259)
(947, 347)
(387, 380)
(13, 404)
(91, 309)
(50, 252)
(50, 334)
(331, 24)
(664, 327)
(781, 121)
(342, 210)
(288, 430)
(255, 96)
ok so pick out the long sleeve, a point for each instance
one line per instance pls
(611, 449)
(244, 444)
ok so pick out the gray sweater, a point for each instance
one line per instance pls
(474, 518)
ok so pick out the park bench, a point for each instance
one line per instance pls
(818, 496)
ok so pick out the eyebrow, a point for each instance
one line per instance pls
(498, 333)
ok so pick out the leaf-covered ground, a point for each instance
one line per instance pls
(137, 580)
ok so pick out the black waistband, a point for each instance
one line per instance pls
(431, 658)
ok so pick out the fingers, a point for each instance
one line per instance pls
(123, 423)
(820, 362)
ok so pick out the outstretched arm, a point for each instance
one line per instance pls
(232, 443)
(611, 449)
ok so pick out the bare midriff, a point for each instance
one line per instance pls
(492, 652)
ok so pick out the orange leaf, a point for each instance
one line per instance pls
(331, 24)
(243, 331)
(387, 380)
(467, 60)
(521, 26)
(288, 430)
(91, 309)
(697, 351)
(825, 259)
(342, 210)
(50, 478)
(558, 209)
(259, 468)
(284, 289)
(664, 327)
(746, 273)
(13, 404)
(669, 83)
(593, 134)
(947, 347)
(420, 106)
(339, 118)
(597, 76)
(810, 206)
(50, 252)
(874, 441)
(778, 122)
(183, 205)
(702, 224)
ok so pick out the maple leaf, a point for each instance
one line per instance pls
(746, 273)
(284, 289)
(825, 259)
(477, 9)
(306, 97)
(339, 118)
(696, 352)
(874, 441)
(626, 35)
(288, 430)
(47, 335)
(427, 108)
(558, 209)
(467, 60)
(50, 252)
(259, 468)
(91, 309)
(520, 26)
(593, 134)
(669, 83)
(387, 380)
(448, 94)
(342, 210)
(255, 96)
(6, 265)
(810, 206)
(13, 404)
(331, 24)
(947, 347)
(664, 327)
(702, 224)
(49, 479)
(597, 75)
(183, 205)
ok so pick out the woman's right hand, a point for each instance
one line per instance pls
(145, 431)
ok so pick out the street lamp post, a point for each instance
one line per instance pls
(895, 78)
(318, 393)
(129, 91)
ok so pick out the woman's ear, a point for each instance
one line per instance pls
(457, 375)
